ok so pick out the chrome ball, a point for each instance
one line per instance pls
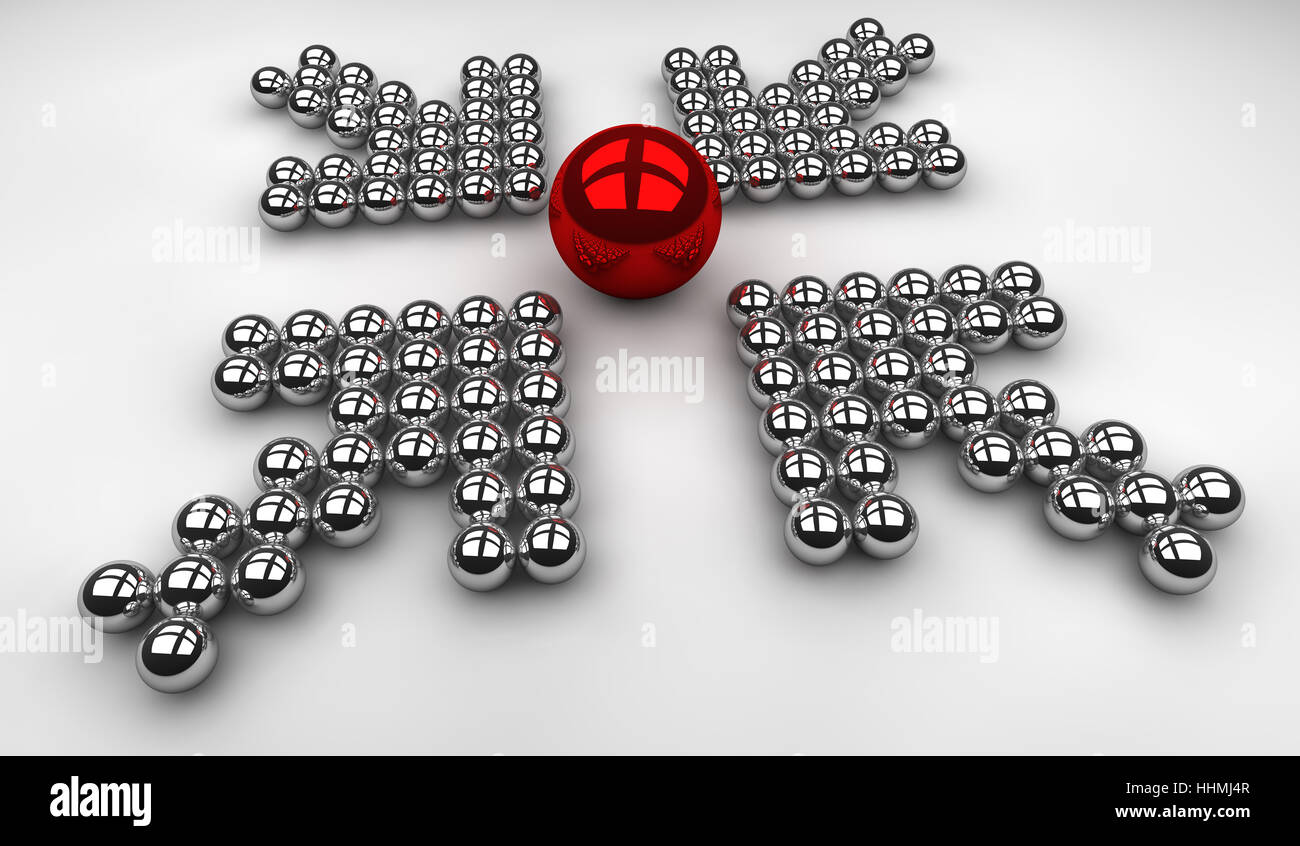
(890, 73)
(522, 107)
(805, 73)
(251, 334)
(308, 106)
(436, 112)
(782, 119)
(418, 403)
(1210, 497)
(382, 200)
(432, 161)
(884, 525)
(552, 550)
(711, 145)
(774, 378)
(339, 167)
(320, 56)
(832, 374)
(434, 136)
(423, 320)
(688, 79)
(762, 337)
(480, 445)
(928, 133)
(1037, 323)
(415, 457)
(332, 204)
(301, 377)
(389, 139)
(208, 524)
(477, 158)
(353, 96)
(1015, 281)
(420, 360)
(909, 419)
(270, 87)
(348, 127)
(1026, 404)
(283, 208)
(966, 410)
(862, 97)
(910, 288)
(795, 142)
(360, 74)
(480, 398)
(430, 197)
(521, 85)
(478, 195)
(241, 382)
(817, 531)
(357, 408)
(692, 101)
(1051, 452)
(309, 329)
(853, 173)
(719, 55)
(288, 463)
(890, 369)
(479, 89)
(943, 167)
(728, 179)
(917, 51)
(267, 580)
(398, 93)
(362, 364)
(540, 392)
(352, 457)
(1143, 502)
(818, 93)
(479, 354)
(775, 95)
(193, 585)
(479, 67)
(983, 327)
(367, 324)
(865, 29)
(751, 298)
(787, 424)
(119, 595)
(872, 330)
(840, 139)
(835, 50)
(676, 59)
(1177, 560)
(848, 69)
(848, 419)
(884, 136)
(805, 295)
(801, 473)
(762, 179)
(537, 349)
(876, 47)
(963, 285)
(535, 310)
(898, 170)
(481, 557)
(947, 366)
(520, 130)
(926, 326)
(481, 496)
(346, 514)
(865, 468)
(176, 654)
(479, 315)
(547, 489)
(733, 97)
(393, 115)
(279, 517)
(819, 333)
(521, 64)
(1078, 507)
(808, 176)
(527, 191)
(990, 461)
(1112, 448)
(543, 438)
(856, 291)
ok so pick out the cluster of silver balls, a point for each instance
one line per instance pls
(798, 134)
(403, 357)
(427, 158)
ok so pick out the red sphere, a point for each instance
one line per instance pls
(635, 211)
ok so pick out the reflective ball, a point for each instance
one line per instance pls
(787, 424)
(176, 654)
(1051, 452)
(382, 200)
(698, 123)
(805, 295)
(727, 177)
(478, 195)
(526, 191)
(346, 514)
(808, 176)
(283, 208)
(1014, 281)
(719, 55)
(884, 525)
(762, 179)
(353, 96)
(360, 74)
(910, 288)
(267, 580)
(862, 96)
(848, 419)
(1112, 448)
(876, 47)
(480, 398)
(928, 133)
(965, 410)
(540, 392)
(818, 93)
(320, 56)
(432, 161)
(481, 557)
(309, 329)
(301, 377)
(762, 337)
(865, 468)
(552, 550)
(733, 97)
(288, 463)
(751, 298)
(522, 129)
(928, 325)
(774, 378)
(898, 170)
(1026, 404)
(1210, 497)
(1144, 501)
(352, 457)
(817, 531)
(398, 93)
(1078, 507)
(422, 360)
(270, 87)
(832, 374)
(418, 403)
(251, 334)
(884, 136)
(547, 489)
(856, 291)
(278, 516)
(917, 51)
(241, 382)
(535, 310)
(437, 112)
(990, 461)
(963, 285)
(676, 59)
(840, 139)
(750, 145)
(308, 106)
(543, 438)
(357, 408)
(393, 115)
(415, 457)
(367, 324)
(480, 445)
(872, 330)
(339, 167)
(784, 118)
(208, 524)
(864, 29)
(422, 320)
(909, 419)
(362, 364)
(521, 64)
(1037, 323)
(479, 315)
(801, 473)
(890, 369)
(805, 73)
(479, 89)
(835, 50)
(983, 327)
(435, 136)
(479, 67)
(946, 366)
(332, 204)
(348, 127)
(119, 595)
(430, 197)
(479, 354)
(795, 142)
(193, 585)
(537, 349)
(890, 73)
(943, 166)
(1177, 560)
(818, 333)
(481, 496)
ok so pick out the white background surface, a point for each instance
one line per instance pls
(1126, 115)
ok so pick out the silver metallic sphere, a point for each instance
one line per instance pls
(808, 176)
(990, 461)
(521, 64)
(436, 112)
(910, 288)
(360, 74)
(701, 122)
(787, 424)
(801, 473)
(884, 136)
(909, 419)
(864, 468)
(727, 177)
(348, 127)
(928, 133)
(396, 93)
(984, 326)
(775, 95)
(362, 364)
(943, 167)
(885, 525)
(928, 325)
(1078, 507)
(481, 557)
(848, 419)
(795, 142)
(711, 145)
(267, 580)
(853, 173)
(856, 291)
(762, 337)
(537, 349)
(521, 130)
(832, 374)
(288, 463)
(676, 59)
(817, 531)
(251, 334)
(876, 47)
(176, 654)
(480, 398)
(719, 55)
(481, 496)
(762, 179)
(527, 191)
(314, 75)
(283, 208)
(688, 79)
(818, 93)
(963, 285)
(848, 69)
(367, 324)
(301, 377)
(731, 98)
(898, 170)
(540, 392)
(479, 315)
(430, 197)
(890, 369)
(418, 403)
(353, 96)
(320, 56)
(1210, 497)
(547, 489)
(382, 200)
(479, 67)
(1026, 404)
(947, 366)
(290, 170)
(1177, 560)
(479, 89)
(119, 595)
(751, 298)
(864, 29)
(422, 360)
(332, 204)
(968, 409)
(835, 50)
(308, 106)
(339, 167)
(208, 524)
(478, 195)
(535, 310)
(480, 445)
(873, 329)
(782, 119)
(415, 457)
(890, 73)
(1014, 281)
(357, 408)
(278, 516)
(1037, 323)
(434, 136)
(432, 161)
(544, 438)
(479, 354)
(309, 329)
(1112, 448)
(840, 139)
(692, 101)
(819, 333)
(522, 107)
(346, 514)
(270, 87)
(1050, 453)
(862, 97)
(552, 550)
(241, 382)
(193, 585)
(751, 145)
(917, 51)
(1144, 501)
(805, 73)
(422, 320)
(805, 295)
(774, 378)
(352, 457)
